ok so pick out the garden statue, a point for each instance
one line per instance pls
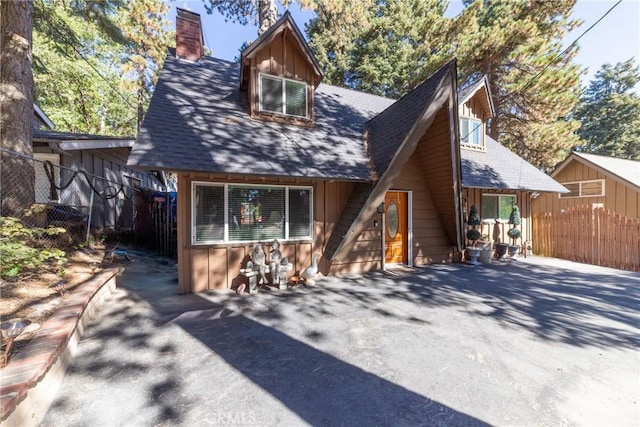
(259, 261)
(275, 257)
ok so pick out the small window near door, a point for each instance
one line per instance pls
(497, 206)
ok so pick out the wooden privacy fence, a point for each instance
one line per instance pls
(593, 236)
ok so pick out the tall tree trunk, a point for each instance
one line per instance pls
(267, 15)
(17, 178)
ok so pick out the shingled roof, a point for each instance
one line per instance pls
(499, 168)
(198, 121)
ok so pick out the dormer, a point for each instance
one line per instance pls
(475, 107)
(280, 74)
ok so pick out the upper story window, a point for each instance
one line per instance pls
(471, 132)
(283, 96)
(593, 188)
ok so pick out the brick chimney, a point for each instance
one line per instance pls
(189, 43)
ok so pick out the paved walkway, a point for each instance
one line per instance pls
(535, 342)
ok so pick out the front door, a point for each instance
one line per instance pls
(396, 228)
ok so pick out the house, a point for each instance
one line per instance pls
(264, 150)
(103, 158)
(493, 177)
(595, 181)
(598, 220)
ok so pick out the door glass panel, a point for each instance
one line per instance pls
(392, 219)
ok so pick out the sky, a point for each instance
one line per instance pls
(615, 39)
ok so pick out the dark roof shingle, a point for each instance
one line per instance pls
(500, 168)
(198, 121)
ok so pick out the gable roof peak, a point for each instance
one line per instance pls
(285, 23)
(469, 91)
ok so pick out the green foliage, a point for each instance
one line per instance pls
(514, 233)
(473, 235)
(390, 49)
(516, 44)
(96, 63)
(19, 248)
(514, 218)
(609, 112)
(474, 218)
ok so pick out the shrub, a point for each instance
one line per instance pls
(473, 235)
(19, 247)
(514, 218)
(474, 218)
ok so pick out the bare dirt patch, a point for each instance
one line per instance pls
(34, 297)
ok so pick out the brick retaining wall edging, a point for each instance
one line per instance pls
(29, 382)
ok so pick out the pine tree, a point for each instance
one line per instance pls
(517, 45)
(144, 28)
(391, 48)
(16, 106)
(77, 74)
(609, 112)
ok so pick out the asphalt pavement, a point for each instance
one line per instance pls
(531, 342)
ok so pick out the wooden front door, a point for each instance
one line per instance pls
(396, 228)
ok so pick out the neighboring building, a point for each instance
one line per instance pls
(103, 157)
(595, 181)
(493, 177)
(264, 150)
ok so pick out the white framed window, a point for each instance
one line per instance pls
(224, 213)
(497, 206)
(591, 188)
(283, 96)
(471, 132)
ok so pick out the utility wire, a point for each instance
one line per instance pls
(564, 52)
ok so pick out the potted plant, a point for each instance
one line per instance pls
(473, 235)
(514, 233)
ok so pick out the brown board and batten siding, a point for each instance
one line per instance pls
(429, 243)
(281, 58)
(434, 154)
(619, 197)
(214, 266)
(473, 196)
(475, 109)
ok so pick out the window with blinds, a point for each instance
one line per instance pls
(592, 188)
(254, 213)
(208, 212)
(283, 96)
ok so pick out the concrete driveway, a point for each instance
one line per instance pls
(533, 342)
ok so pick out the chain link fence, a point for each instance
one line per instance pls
(42, 194)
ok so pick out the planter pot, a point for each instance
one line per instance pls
(487, 252)
(501, 250)
(474, 253)
(514, 250)
(485, 256)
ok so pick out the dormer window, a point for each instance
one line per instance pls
(471, 132)
(283, 96)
